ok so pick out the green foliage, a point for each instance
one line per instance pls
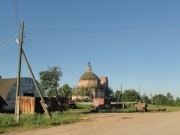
(127, 110)
(117, 94)
(36, 120)
(109, 92)
(84, 91)
(163, 100)
(7, 120)
(145, 99)
(177, 102)
(65, 91)
(81, 106)
(49, 80)
(131, 96)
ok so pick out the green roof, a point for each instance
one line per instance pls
(89, 76)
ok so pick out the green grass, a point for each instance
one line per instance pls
(7, 121)
(153, 108)
(85, 106)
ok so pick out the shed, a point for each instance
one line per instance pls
(8, 90)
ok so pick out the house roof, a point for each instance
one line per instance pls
(5, 85)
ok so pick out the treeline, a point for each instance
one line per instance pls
(132, 95)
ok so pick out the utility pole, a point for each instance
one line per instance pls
(122, 97)
(36, 85)
(139, 94)
(21, 52)
(19, 73)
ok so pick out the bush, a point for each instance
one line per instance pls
(85, 106)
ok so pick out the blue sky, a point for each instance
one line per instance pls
(132, 42)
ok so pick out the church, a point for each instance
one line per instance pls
(90, 85)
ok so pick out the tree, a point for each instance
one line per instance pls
(117, 93)
(49, 80)
(131, 96)
(177, 102)
(169, 96)
(145, 99)
(109, 92)
(65, 91)
(160, 99)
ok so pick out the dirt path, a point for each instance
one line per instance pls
(117, 124)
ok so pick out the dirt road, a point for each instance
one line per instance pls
(117, 124)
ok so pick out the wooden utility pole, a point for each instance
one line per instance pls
(36, 85)
(20, 40)
(122, 97)
(21, 52)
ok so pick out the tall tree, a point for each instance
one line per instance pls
(117, 93)
(65, 91)
(131, 96)
(160, 99)
(109, 92)
(49, 80)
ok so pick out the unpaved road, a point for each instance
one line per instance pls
(116, 124)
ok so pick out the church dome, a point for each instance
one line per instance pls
(89, 79)
(89, 76)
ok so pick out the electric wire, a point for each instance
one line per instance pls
(48, 54)
(8, 36)
(8, 40)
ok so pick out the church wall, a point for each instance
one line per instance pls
(88, 83)
(104, 82)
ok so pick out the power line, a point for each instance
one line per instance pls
(7, 36)
(8, 40)
(49, 55)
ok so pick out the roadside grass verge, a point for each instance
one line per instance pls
(7, 121)
(153, 108)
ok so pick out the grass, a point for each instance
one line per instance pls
(153, 108)
(7, 121)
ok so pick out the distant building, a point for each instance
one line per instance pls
(8, 90)
(95, 85)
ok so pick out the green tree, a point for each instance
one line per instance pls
(65, 91)
(145, 99)
(117, 93)
(160, 99)
(177, 102)
(49, 80)
(84, 91)
(109, 92)
(131, 96)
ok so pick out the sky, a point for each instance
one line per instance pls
(135, 43)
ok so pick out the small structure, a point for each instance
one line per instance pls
(8, 91)
(141, 107)
(101, 103)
